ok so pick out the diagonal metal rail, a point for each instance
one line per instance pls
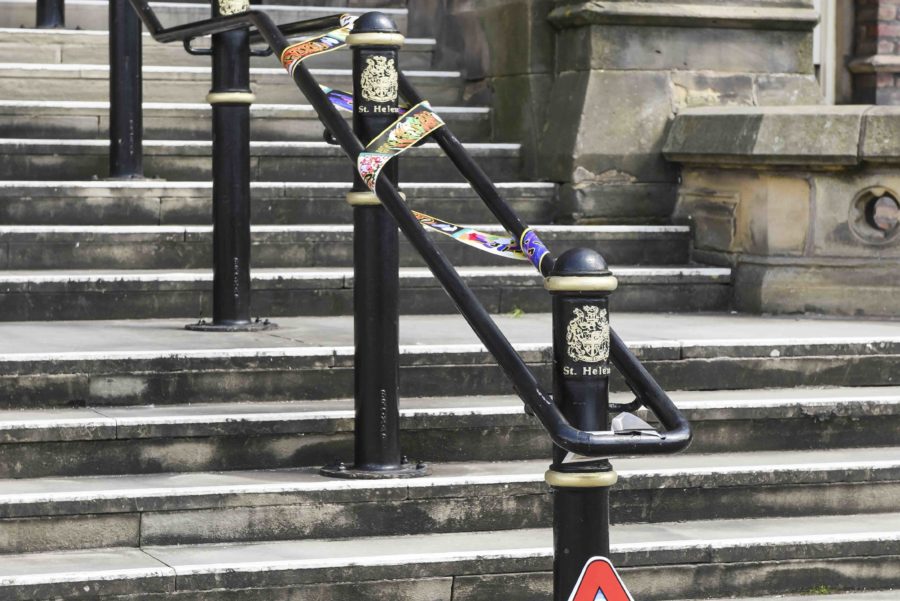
(677, 435)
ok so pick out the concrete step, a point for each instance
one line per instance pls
(290, 246)
(319, 291)
(193, 121)
(155, 202)
(190, 160)
(665, 561)
(224, 507)
(57, 365)
(70, 46)
(272, 84)
(92, 14)
(269, 435)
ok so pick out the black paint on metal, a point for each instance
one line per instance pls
(51, 14)
(126, 121)
(581, 391)
(376, 288)
(231, 185)
(677, 432)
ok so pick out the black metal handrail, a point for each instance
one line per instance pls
(677, 435)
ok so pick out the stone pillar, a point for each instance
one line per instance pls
(625, 68)
(505, 49)
(876, 65)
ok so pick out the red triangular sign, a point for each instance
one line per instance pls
(599, 581)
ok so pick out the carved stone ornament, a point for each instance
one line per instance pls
(587, 335)
(379, 80)
(233, 7)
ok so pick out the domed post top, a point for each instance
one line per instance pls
(375, 29)
(581, 270)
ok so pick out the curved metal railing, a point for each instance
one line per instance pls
(677, 434)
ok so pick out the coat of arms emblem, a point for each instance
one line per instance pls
(233, 7)
(379, 79)
(587, 335)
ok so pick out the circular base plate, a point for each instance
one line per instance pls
(348, 472)
(253, 326)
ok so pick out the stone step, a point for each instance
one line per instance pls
(155, 362)
(70, 46)
(658, 562)
(190, 160)
(193, 121)
(92, 14)
(269, 435)
(272, 84)
(155, 202)
(824, 593)
(319, 291)
(292, 246)
(226, 507)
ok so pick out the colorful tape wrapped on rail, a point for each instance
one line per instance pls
(414, 125)
(498, 245)
(295, 54)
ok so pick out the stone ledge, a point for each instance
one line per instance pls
(808, 136)
(668, 14)
(876, 63)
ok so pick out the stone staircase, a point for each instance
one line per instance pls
(140, 461)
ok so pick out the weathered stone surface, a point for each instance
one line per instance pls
(618, 134)
(835, 288)
(759, 14)
(880, 143)
(775, 89)
(808, 136)
(747, 212)
(705, 88)
(164, 203)
(66, 533)
(657, 48)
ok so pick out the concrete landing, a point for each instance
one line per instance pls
(71, 340)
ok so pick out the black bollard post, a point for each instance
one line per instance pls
(580, 284)
(376, 43)
(51, 14)
(126, 122)
(231, 98)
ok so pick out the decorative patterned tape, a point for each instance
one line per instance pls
(498, 245)
(534, 249)
(413, 127)
(295, 54)
(415, 124)
(340, 99)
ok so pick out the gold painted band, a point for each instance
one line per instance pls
(581, 283)
(231, 98)
(364, 199)
(581, 479)
(376, 39)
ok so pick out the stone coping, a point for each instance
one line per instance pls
(798, 136)
(797, 15)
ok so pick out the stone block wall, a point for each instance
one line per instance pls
(590, 88)
(803, 203)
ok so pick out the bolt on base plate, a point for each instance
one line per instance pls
(349, 472)
(259, 325)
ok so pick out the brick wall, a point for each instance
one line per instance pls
(876, 66)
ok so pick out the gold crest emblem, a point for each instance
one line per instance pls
(587, 335)
(233, 7)
(379, 79)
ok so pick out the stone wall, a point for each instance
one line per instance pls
(803, 203)
(590, 87)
